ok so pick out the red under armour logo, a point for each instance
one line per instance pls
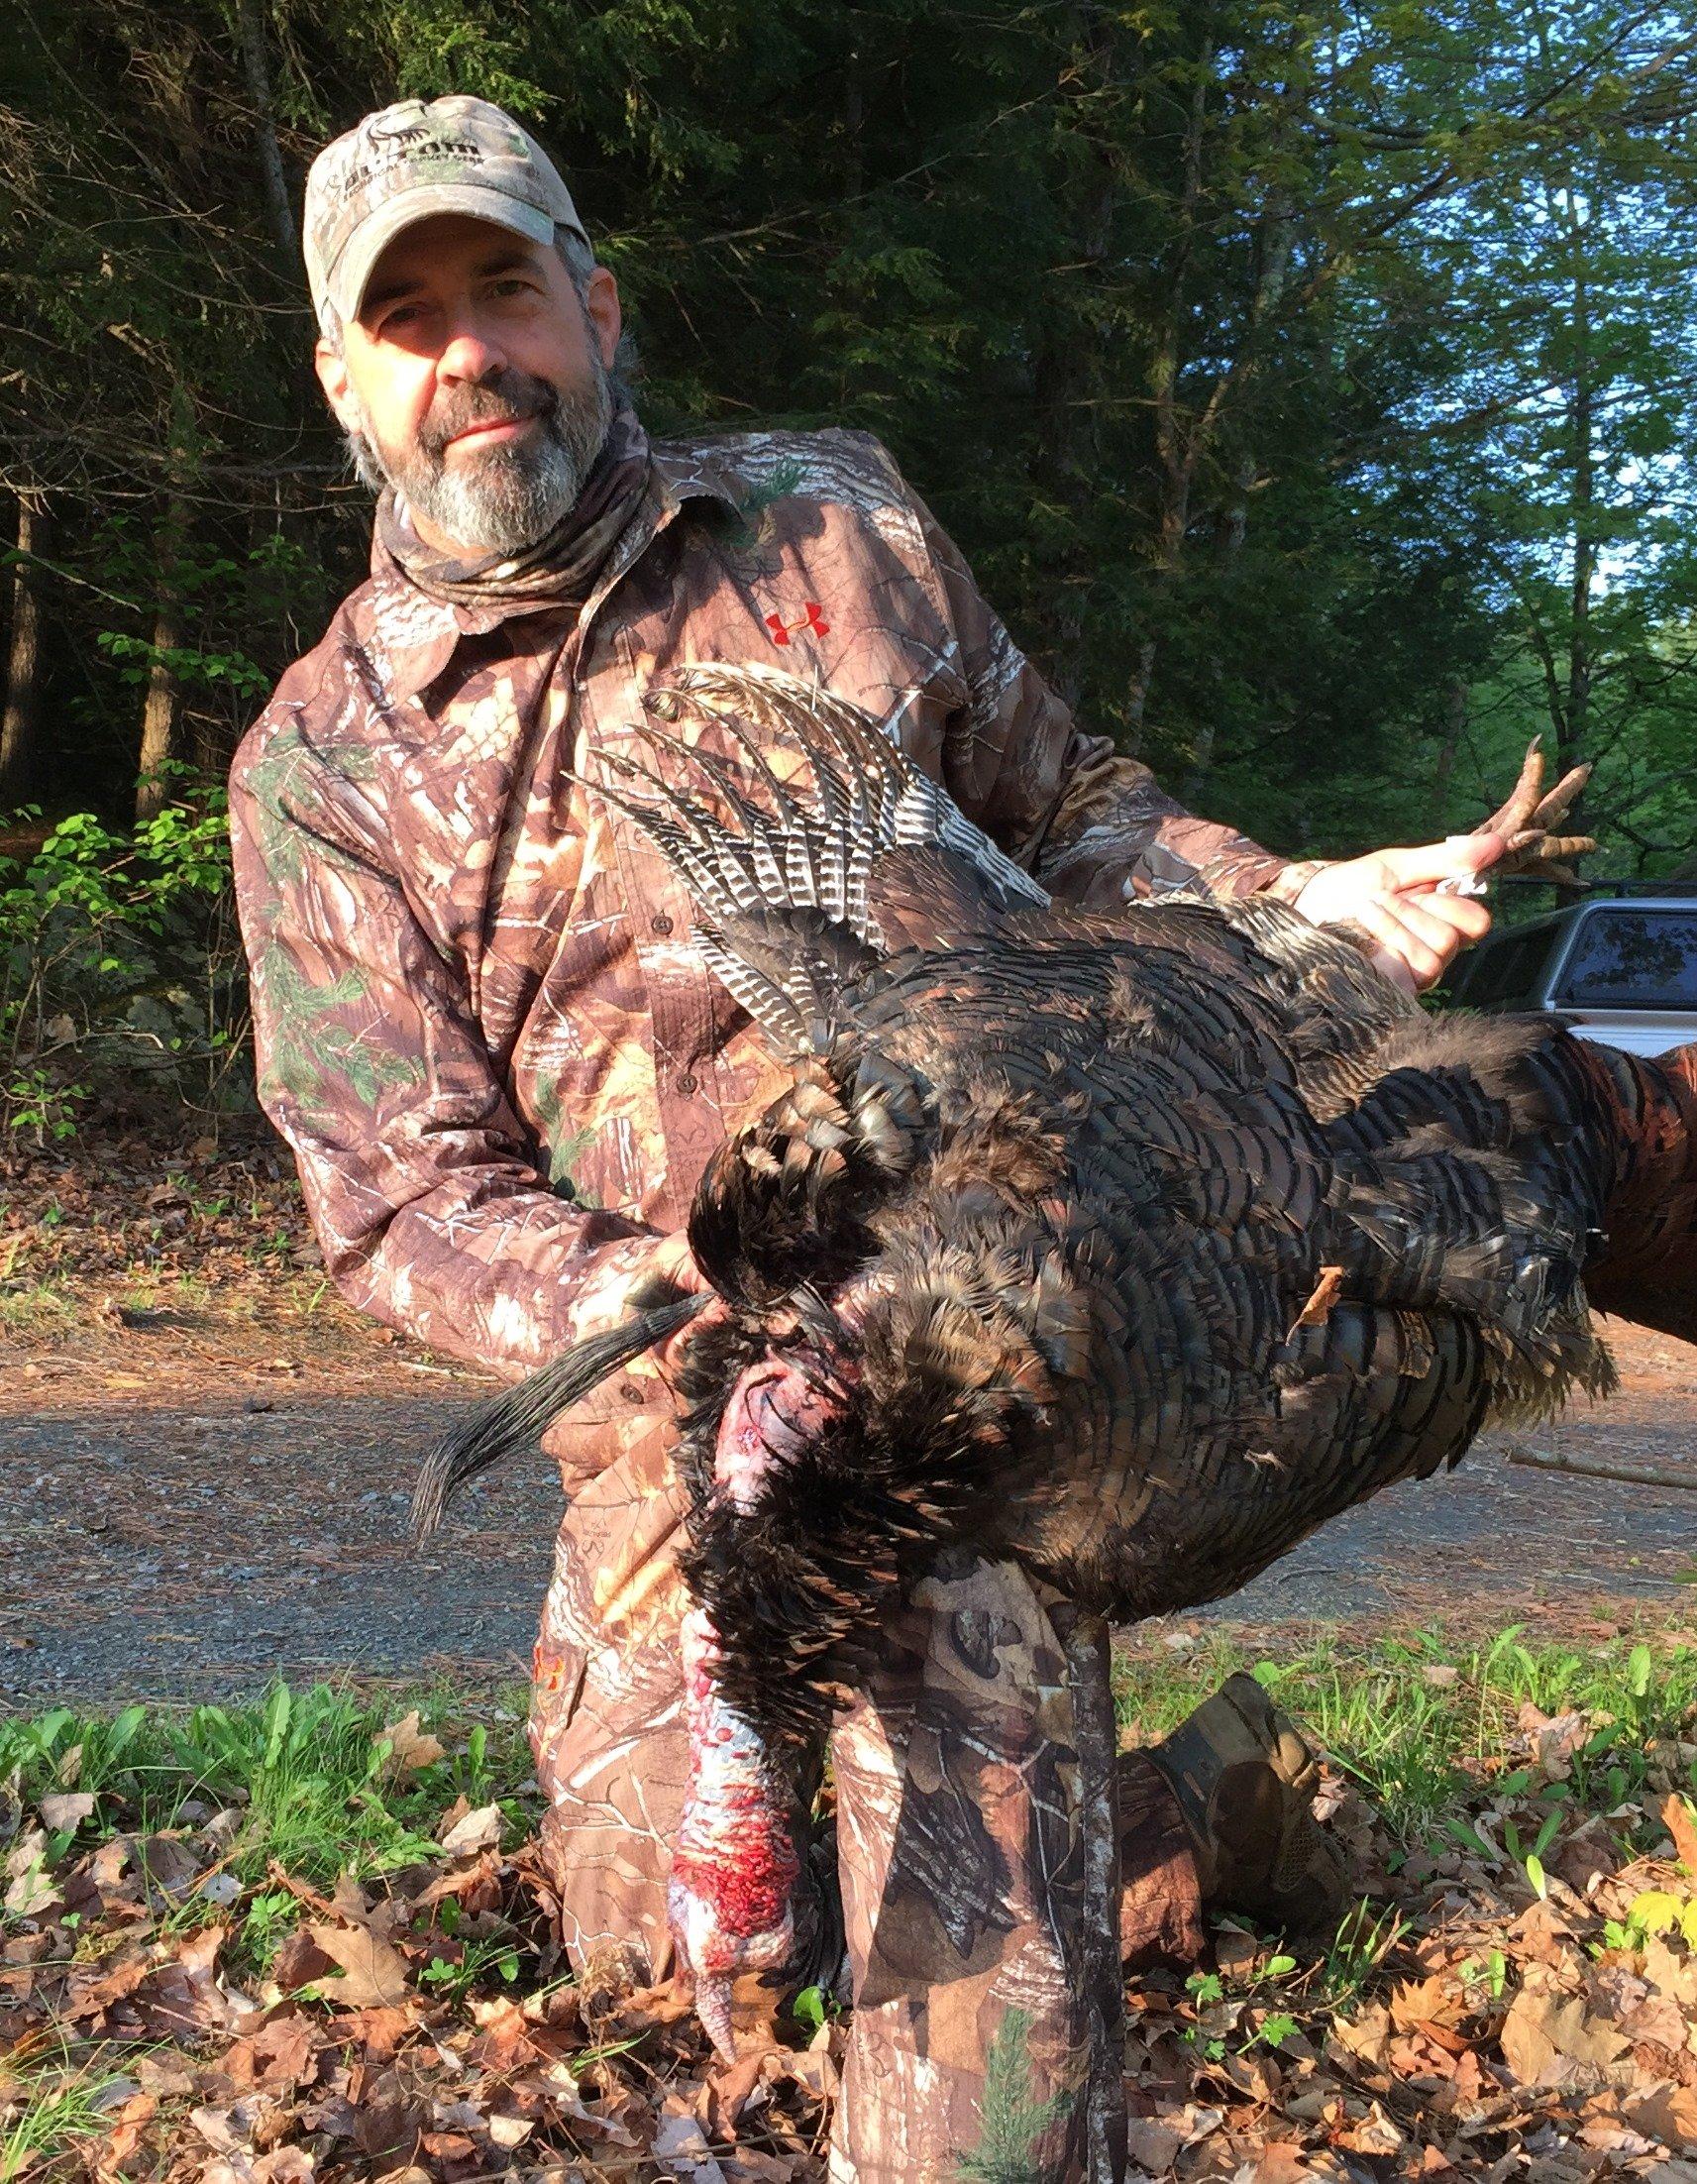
(783, 631)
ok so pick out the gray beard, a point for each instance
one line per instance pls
(507, 498)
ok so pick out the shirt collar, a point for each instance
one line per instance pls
(410, 638)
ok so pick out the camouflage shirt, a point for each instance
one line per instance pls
(481, 1020)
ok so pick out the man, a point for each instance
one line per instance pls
(502, 1065)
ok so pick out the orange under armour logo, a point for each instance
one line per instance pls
(783, 631)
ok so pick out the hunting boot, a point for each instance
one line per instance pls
(1245, 1781)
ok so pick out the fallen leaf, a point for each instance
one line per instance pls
(1669, 2114)
(66, 1807)
(1416, 2004)
(1676, 1817)
(372, 1971)
(476, 1830)
(299, 1962)
(1153, 2144)
(1545, 2035)
(411, 1747)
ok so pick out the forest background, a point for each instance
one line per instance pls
(1314, 389)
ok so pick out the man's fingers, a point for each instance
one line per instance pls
(1470, 917)
(1395, 969)
(1427, 919)
(1397, 938)
(1457, 859)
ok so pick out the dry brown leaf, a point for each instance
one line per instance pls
(1324, 1296)
(1545, 2035)
(1372, 2132)
(1364, 2036)
(411, 1747)
(472, 1831)
(1552, 1739)
(1668, 2114)
(1154, 2145)
(1419, 2004)
(372, 1971)
(1282, 2161)
(1676, 1817)
(66, 1807)
(299, 1962)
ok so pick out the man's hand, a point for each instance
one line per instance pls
(1393, 897)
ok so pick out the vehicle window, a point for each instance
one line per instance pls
(1505, 973)
(1633, 959)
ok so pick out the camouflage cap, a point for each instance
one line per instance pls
(410, 161)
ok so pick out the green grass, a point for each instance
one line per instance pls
(48, 2109)
(306, 1774)
(1416, 1741)
(30, 1308)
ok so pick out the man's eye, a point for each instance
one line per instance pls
(404, 314)
(512, 286)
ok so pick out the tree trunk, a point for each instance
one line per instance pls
(160, 708)
(1571, 750)
(1455, 724)
(256, 69)
(1069, 368)
(19, 722)
(1274, 242)
(1174, 455)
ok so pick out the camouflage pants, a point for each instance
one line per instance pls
(978, 1805)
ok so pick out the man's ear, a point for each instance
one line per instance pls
(332, 369)
(607, 318)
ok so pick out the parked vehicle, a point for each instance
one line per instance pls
(1620, 969)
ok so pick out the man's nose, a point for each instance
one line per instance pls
(470, 355)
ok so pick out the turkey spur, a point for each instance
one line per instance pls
(1131, 1248)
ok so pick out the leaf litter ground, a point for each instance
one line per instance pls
(305, 1937)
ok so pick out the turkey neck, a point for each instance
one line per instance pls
(735, 1864)
(1645, 1266)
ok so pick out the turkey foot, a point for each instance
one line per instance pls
(1528, 819)
(735, 1865)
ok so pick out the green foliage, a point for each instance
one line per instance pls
(308, 1777)
(1012, 2117)
(118, 955)
(62, 2105)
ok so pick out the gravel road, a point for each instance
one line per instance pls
(185, 1518)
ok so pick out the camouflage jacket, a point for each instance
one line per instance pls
(481, 1020)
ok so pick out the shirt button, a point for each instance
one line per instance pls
(689, 1082)
(660, 923)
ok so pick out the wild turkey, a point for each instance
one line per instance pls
(1133, 1247)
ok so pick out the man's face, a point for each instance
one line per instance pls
(476, 382)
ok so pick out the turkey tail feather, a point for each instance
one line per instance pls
(516, 1420)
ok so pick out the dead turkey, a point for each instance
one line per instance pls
(1133, 1247)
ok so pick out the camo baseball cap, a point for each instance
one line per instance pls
(412, 161)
